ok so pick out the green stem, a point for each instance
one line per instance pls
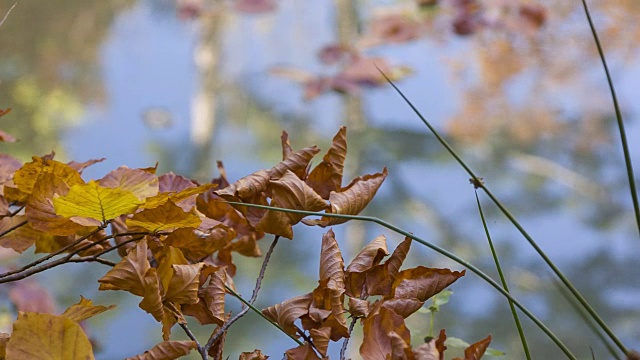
(525, 347)
(436, 248)
(254, 309)
(534, 245)
(623, 134)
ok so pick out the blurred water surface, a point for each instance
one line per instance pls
(524, 99)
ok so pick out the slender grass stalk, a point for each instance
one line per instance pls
(515, 223)
(623, 133)
(255, 310)
(436, 248)
(525, 347)
(587, 320)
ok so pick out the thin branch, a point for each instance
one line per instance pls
(14, 213)
(623, 134)
(53, 254)
(343, 350)
(218, 333)
(92, 259)
(187, 331)
(7, 14)
(21, 224)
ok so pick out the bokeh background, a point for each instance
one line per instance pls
(515, 85)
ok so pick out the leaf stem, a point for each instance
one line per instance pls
(505, 211)
(523, 339)
(436, 248)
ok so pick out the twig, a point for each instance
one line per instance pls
(23, 223)
(14, 213)
(7, 14)
(218, 333)
(623, 134)
(187, 331)
(53, 254)
(92, 259)
(343, 350)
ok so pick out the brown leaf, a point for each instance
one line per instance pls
(331, 262)
(139, 182)
(210, 308)
(320, 339)
(403, 307)
(421, 282)
(152, 298)
(246, 188)
(287, 151)
(358, 307)
(302, 352)
(352, 199)
(129, 273)
(166, 350)
(25, 178)
(327, 175)
(84, 309)
(366, 259)
(254, 355)
(40, 211)
(19, 239)
(79, 166)
(297, 162)
(380, 283)
(183, 288)
(4, 339)
(168, 216)
(400, 350)
(476, 350)
(8, 166)
(376, 343)
(289, 192)
(166, 257)
(38, 336)
(427, 351)
(287, 312)
(196, 246)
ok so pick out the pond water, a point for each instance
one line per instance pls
(529, 111)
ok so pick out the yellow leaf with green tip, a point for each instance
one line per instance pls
(96, 202)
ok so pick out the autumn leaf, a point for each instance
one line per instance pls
(165, 217)
(19, 239)
(380, 280)
(166, 350)
(138, 182)
(79, 166)
(197, 246)
(246, 188)
(331, 263)
(184, 199)
(5, 137)
(302, 352)
(166, 259)
(376, 343)
(358, 307)
(287, 151)
(96, 202)
(297, 162)
(367, 258)
(476, 350)
(210, 308)
(320, 339)
(84, 309)
(183, 287)
(129, 273)
(352, 199)
(400, 350)
(292, 193)
(254, 355)
(287, 312)
(327, 175)
(40, 211)
(4, 339)
(48, 337)
(25, 178)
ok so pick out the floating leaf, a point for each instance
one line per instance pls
(139, 182)
(292, 193)
(352, 199)
(327, 175)
(166, 350)
(84, 309)
(96, 202)
(168, 216)
(287, 312)
(48, 337)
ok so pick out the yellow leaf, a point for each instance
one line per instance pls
(175, 197)
(138, 181)
(48, 337)
(84, 309)
(25, 177)
(96, 202)
(168, 257)
(165, 217)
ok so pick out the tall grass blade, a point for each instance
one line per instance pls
(623, 133)
(523, 339)
(515, 223)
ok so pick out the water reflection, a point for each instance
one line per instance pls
(527, 108)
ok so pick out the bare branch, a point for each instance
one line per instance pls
(7, 14)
